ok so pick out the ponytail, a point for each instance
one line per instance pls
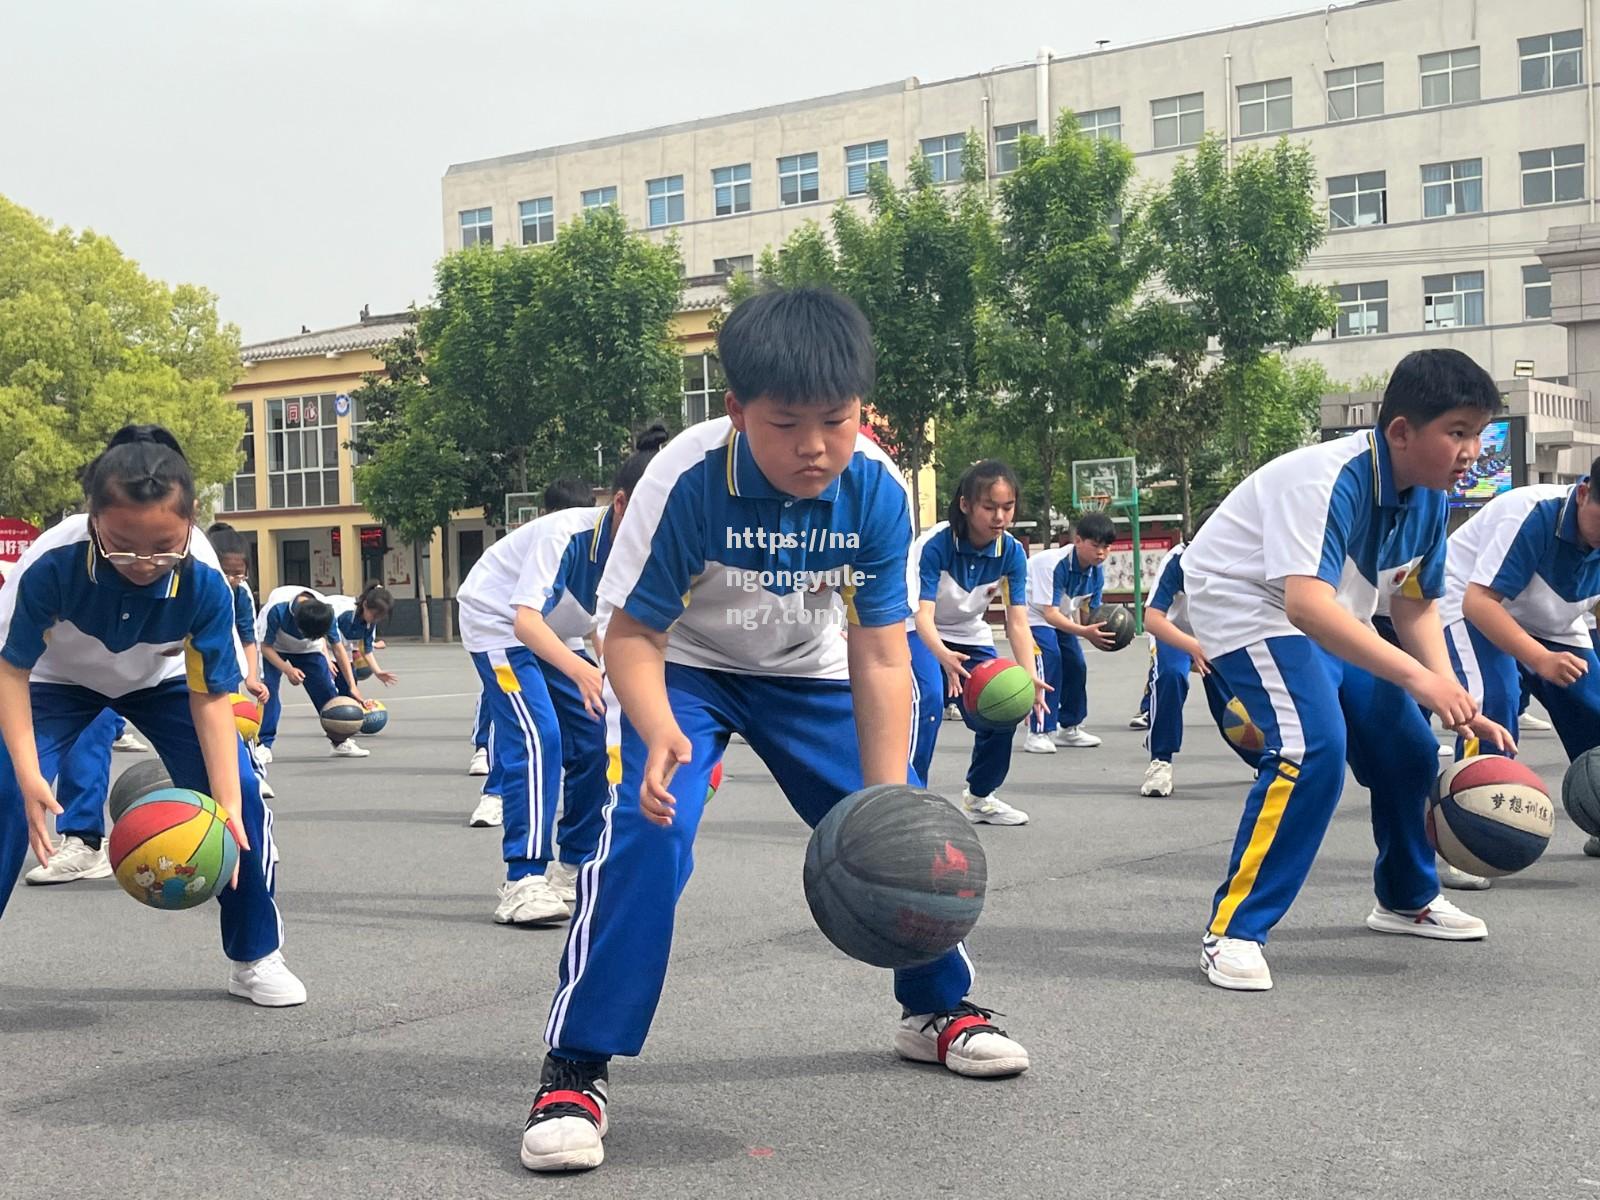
(141, 465)
(645, 447)
(378, 597)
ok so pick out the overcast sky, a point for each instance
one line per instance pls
(287, 153)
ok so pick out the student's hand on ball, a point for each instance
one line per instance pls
(1445, 698)
(1561, 668)
(1489, 733)
(40, 805)
(663, 758)
(586, 677)
(1100, 636)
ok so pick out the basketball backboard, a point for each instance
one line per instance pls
(1115, 478)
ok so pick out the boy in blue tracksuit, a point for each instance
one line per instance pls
(1077, 580)
(297, 630)
(749, 539)
(1282, 584)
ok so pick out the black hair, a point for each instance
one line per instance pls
(1203, 516)
(141, 464)
(644, 449)
(973, 485)
(568, 493)
(1429, 383)
(1096, 527)
(225, 540)
(804, 345)
(378, 596)
(315, 617)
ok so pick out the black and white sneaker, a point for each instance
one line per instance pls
(964, 1039)
(568, 1118)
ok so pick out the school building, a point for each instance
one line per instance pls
(1450, 135)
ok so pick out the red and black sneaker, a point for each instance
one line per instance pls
(964, 1039)
(568, 1117)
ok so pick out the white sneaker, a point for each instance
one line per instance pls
(568, 1118)
(71, 861)
(1157, 779)
(1537, 724)
(132, 745)
(1462, 881)
(990, 810)
(487, 813)
(952, 712)
(267, 792)
(1139, 721)
(267, 982)
(1447, 750)
(1038, 743)
(529, 901)
(963, 1039)
(263, 754)
(1077, 738)
(480, 762)
(1234, 964)
(1438, 919)
(349, 749)
(563, 880)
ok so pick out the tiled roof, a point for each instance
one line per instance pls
(363, 335)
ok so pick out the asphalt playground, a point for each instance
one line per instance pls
(1379, 1066)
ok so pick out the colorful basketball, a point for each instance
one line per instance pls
(134, 784)
(377, 717)
(1490, 815)
(1118, 622)
(343, 717)
(895, 876)
(247, 716)
(360, 666)
(714, 782)
(173, 849)
(1580, 791)
(998, 693)
(1239, 729)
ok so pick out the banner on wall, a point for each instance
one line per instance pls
(1119, 564)
(15, 538)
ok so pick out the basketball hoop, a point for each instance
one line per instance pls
(1097, 502)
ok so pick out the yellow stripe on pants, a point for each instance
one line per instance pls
(507, 678)
(1261, 837)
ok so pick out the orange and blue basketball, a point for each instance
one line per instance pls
(343, 717)
(173, 849)
(714, 782)
(998, 693)
(895, 876)
(1490, 815)
(361, 665)
(377, 717)
(1239, 729)
(247, 716)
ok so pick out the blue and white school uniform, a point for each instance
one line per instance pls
(750, 586)
(90, 641)
(962, 580)
(1333, 512)
(277, 627)
(1046, 647)
(1170, 669)
(358, 636)
(1071, 587)
(540, 729)
(1525, 546)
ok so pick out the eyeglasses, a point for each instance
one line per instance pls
(122, 558)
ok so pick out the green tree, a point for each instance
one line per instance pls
(1276, 408)
(88, 344)
(1063, 328)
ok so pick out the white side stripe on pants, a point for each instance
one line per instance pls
(1468, 657)
(1291, 736)
(578, 933)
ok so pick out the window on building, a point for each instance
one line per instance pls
(943, 156)
(1452, 188)
(739, 264)
(1363, 309)
(1553, 176)
(1266, 107)
(538, 221)
(860, 161)
(1449, 301)
(1355, 200)
(731, 187)
(797, 179)
(1355, 92)
(477, 227)
(358, 425)
(239, 493)
(1007, 145)
(302, 452)
(1102, 124)
(1179, 120)
(1536, 293)
(600, 197)
(1450, 77)
(1553, 60)
(665, 196)
(703, 388)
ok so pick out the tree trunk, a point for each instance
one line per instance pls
(1186, 484)
(422, 591)
(444, 573)
(1047, 471)
(916, 491)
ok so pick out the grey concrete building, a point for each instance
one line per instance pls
(1451, 135)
